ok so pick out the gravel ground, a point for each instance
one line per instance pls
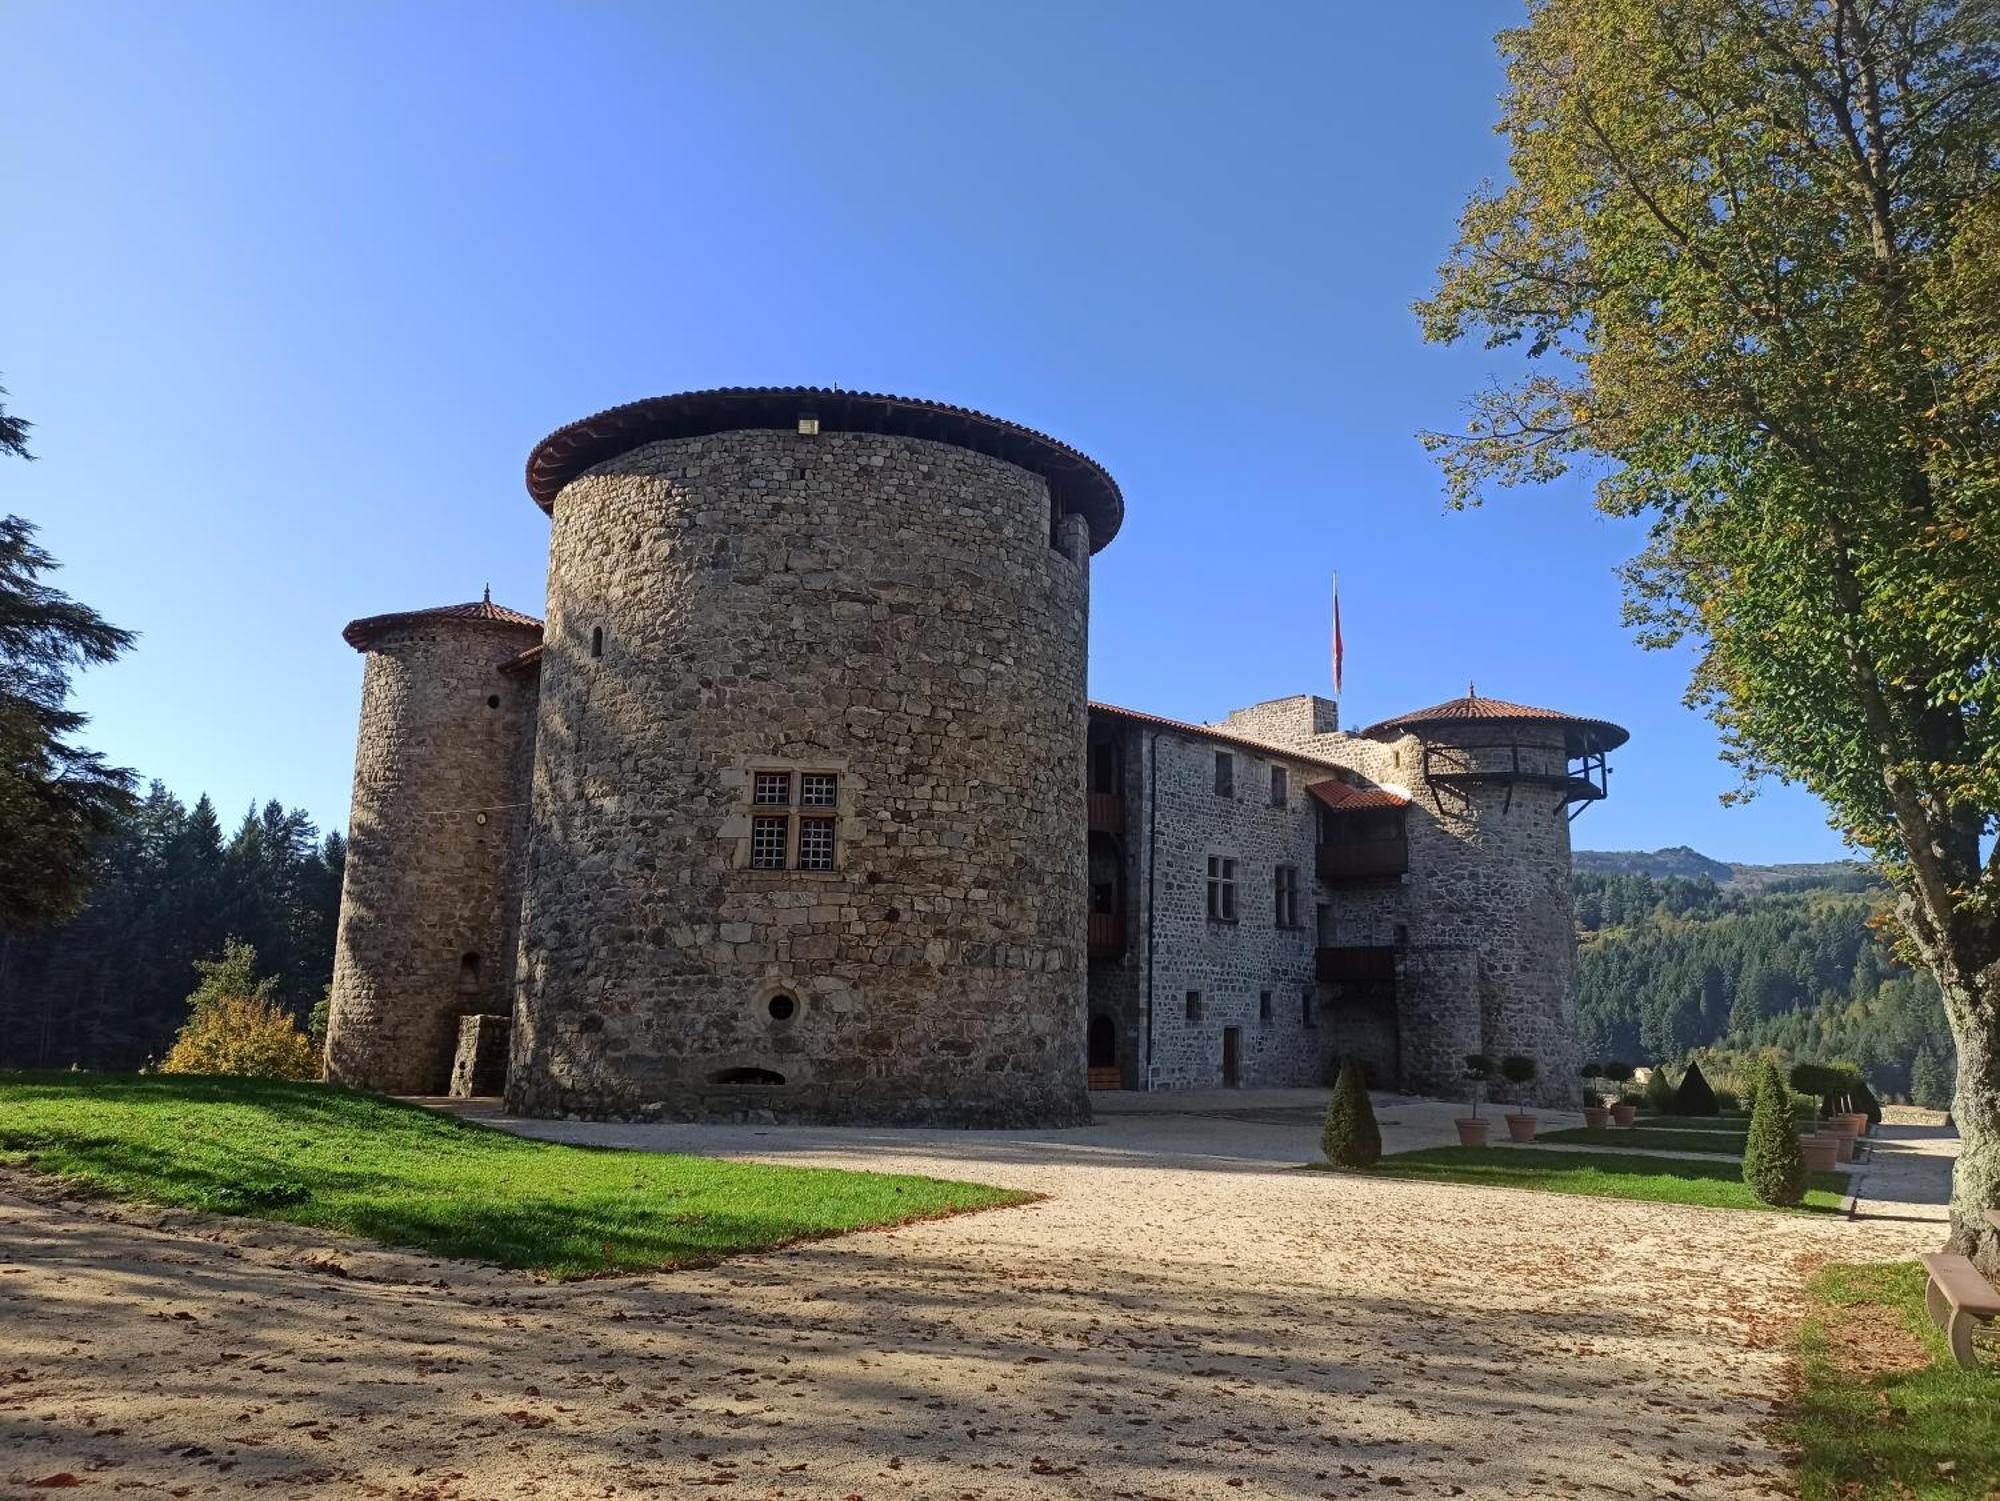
(1184, 1316)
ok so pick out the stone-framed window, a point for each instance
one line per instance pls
(1308, 1014)
(1263, 1005)
(1221, 888)
(1281, 787)
(1194, 1005)
(793, 824)
(1225, 774)
(1285, 896)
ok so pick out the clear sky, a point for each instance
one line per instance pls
(291, 290)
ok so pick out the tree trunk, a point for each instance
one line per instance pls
(1973, 1004)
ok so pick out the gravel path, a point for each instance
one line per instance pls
(1185, 1316)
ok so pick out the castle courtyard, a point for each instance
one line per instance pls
(1185, 1314)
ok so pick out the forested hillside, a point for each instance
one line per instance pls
(1670, 964)
(109, 988)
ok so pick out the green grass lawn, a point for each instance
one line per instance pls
(333, 1159)
(1632, 1139)
(1883, 1412)
(1737, 1123)
(1602, 1175)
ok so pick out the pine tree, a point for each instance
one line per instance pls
(1351, 1138)
(1773, 1165)
(1931, 1082)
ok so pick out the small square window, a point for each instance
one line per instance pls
(1225, 774)
(818, 789)
(767, 843)
(773, 789)
(1281, 787)
(1194, 1005)
(815, 844)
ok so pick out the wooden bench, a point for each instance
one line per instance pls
(1957, 1298)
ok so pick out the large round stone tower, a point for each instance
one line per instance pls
(427, 908)
(807, 828)
(1494, 786)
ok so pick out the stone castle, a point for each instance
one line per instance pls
(794, 808)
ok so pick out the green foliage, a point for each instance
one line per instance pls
(1351, 1138)
(1477, 1070)
(1792, 966)
(56, 798)
(1519, 1070)
(234, 1028)
(309, 1154)
(1746, 248)
(1659, 1092)
(1694, 1097)
(1872, 1424)
(1773, 1166)
(1606, 1175)
(108, 989)
(1636, 1138)
(320, 1017)
(1931, 1082)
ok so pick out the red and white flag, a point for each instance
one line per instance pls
(1339, 648)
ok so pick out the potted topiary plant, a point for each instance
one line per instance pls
(1595, 1116)
(1519, 1070)
(1471, 1129)
(1624, 1109)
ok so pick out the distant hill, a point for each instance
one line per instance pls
(1692, 865)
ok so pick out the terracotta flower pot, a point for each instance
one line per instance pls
(1820, 1152)
(1624, 1115)
(1596, 1117)
(1472, 1133)
(1842, 1138)
(1521, 1127)
(1860, 1119)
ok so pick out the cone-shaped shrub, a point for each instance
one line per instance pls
(1694, 1097)
(1773, 1165)
(1351, 1137)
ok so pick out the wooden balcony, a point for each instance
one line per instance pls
(1364, 859)
(1107, 813)
(1107, 935)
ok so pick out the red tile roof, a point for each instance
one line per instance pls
(1342, 798)
(1599, 734)
(529, 660)
(1077, 482)
(361, 634)
(1210, 732)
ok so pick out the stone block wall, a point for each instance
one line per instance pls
(896, 612)
(430, 896)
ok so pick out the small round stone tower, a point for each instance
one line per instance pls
(1494, 785)
(428, 904)
(807, 830)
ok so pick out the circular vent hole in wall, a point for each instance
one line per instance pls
(782, 1007)
(746, 1076)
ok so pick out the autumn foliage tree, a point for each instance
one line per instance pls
(1750, 250)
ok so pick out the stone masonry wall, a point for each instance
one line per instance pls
(892, 611)
(429, 900)
(1231, 965)
(1490, 953)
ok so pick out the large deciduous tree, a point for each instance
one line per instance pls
(56, 798)
(1751, 252)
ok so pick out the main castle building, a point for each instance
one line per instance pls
(794, 808)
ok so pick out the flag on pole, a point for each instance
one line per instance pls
(1339, 647)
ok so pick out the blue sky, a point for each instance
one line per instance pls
(292, 291)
